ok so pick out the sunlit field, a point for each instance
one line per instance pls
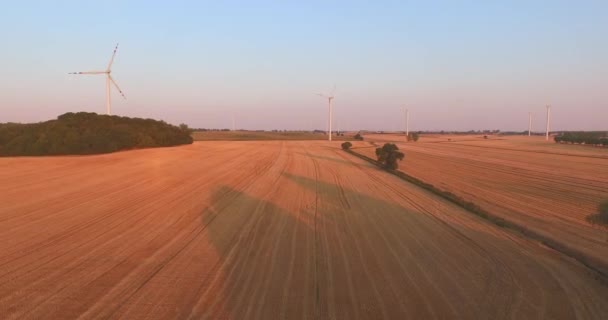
(278, 229)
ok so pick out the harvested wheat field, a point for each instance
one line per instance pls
(546, 187)
(271, 230)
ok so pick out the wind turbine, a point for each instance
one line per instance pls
(548, 122)
(407, 123)
(329, 98)
(529, 123)
(109, 79)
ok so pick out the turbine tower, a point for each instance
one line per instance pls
(407, 123)
(529, 123)
(329, 98)
(109, 80)
(548, 122)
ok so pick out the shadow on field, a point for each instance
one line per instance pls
(323, 157)
(266, 267)
(350, 255)
(412, 248)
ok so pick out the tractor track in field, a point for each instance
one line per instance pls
(245, 184)
(495, 287)
(316, 237)
(290, 230)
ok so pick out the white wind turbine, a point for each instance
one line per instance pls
(329, 98)
(548, 122)
(407, 122)
(529, 123)
(109, 79)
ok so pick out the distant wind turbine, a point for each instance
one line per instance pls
(329, 98)
(529, 123)
(109, 79)
(548, 122)
(407, 122)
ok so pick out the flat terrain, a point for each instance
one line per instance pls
(262, 230)
(241, 135)
(547, 187)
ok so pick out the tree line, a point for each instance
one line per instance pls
(88, 133)
(583, 137)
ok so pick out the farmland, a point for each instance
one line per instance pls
(243, 135)
(546, 187)
(265, 230)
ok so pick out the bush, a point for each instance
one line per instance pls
(601, 217)
(413, 137)
(602, 209)
(358, 136)
(88, 133)
(346, 145)
(389, 155)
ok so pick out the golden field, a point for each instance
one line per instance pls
(546, 187)
(292, 229)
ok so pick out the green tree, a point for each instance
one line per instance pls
(184, 127)
(413, 136)
(601, 217)
(88, 133)
(389, 156)
(346, 145)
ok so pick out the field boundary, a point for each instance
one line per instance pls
(528, 151)
(238, 135)
(598, 267)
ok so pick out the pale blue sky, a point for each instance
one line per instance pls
(458, 65)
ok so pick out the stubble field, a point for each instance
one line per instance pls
(546, 187)
(262, 230)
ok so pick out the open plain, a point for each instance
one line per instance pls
(545, 187)
(275, 230)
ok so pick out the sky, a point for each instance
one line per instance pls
(456, 65)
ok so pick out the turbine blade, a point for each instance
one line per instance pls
(333, 90)
(322, 95)
(112, 59)
(117, 88)
(89, 72)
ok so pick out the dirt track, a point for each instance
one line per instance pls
(261, 230)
